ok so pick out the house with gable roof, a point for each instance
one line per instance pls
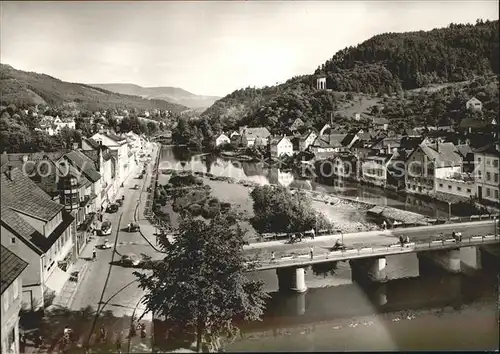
(280, 146)
(38, 230)
(125, 161)
(12, 268)
(106, 164)
(254, 136)
(429, 162)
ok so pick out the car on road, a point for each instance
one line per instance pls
(106, 228)
(130, 259)
(133, 227)
(106, 245)
(141, 177)
(112, 208)
(119, 202)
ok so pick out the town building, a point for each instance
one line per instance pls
(123, 154)
(222, 139)
(280, 146)
(380, 123)
(329, 144)
(106, 164)
(296, 125)
(11, 269)
(38, 230)
(374, 169)
(306, 139)
(455, 188)
(474, 105)
(487, 171)
(254, 136)
(428, 162)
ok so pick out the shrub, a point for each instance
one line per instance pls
(195, 209)
(225, 206)
(213, 202)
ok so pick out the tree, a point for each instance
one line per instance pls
(277, 210)
(152, 128)
(201, 287)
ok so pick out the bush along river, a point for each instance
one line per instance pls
(408, 312)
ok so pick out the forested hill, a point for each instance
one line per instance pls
(25, 89)
(415, 59)
(383, 66)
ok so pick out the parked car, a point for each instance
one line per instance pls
(136, 186)
(112, 208)
(130, 259)
(141, 176)
(106, 245)
(133, 227)
(119, 202)
(106, 228)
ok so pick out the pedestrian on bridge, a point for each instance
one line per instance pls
(94, 254)
(272, 257)
(311, 252)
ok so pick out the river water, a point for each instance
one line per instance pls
(409, 312)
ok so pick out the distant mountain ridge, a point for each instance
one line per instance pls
(30, 88)
(170, 94)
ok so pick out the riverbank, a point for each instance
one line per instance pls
(347, 215)
(468, 327)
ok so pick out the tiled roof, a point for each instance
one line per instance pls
(114, 137)
(92, 154)
(16, 159)
(11, 267)
(348, 139)
(490, 149)
(474, 123)
(84, 164)
(329, 141)
(444, 154)
(464, 149)
(29, 235)
(275, 140)
(253, 133)
(20, 193)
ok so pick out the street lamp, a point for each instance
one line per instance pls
(495, 225)
(449, 210)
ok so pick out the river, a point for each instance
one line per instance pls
(409, 312)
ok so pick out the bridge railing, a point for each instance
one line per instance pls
(395, 249)
(267, 237)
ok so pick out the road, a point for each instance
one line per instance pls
(369, 239)
(107, 286)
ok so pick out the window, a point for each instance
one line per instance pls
(496, 194)
(469, 190)
(449, 187)
(488, 192)
(440, 185)
(478, 160)
(495, 163)
(488, 162)
(496, 177)
(12, 240)
(459, 189)
(488, 176)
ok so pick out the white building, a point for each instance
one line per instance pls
(486, 162)
(474, 104)
(118, 144)
(11, 268)
(254, 136)
(39, 231)
(456, 187)
(280, 146)
(222, 139)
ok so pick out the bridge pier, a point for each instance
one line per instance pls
(291, 279)
(368, 270)
(447, 260)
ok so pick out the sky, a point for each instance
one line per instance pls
(205, 47)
